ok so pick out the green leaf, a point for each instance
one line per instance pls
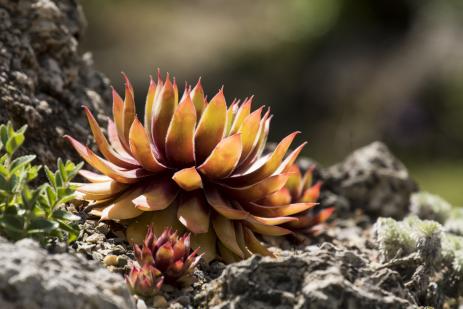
(51, 194)
(71, 230)
(50, 176)
(4, 183)
(65, 215)
(42, 225)
(22, 130)
(30, 197)
(20, 162)
(62, 170)
(75, 170)
(4, 134)
(13, 143)
(12, 223)
(33, 172)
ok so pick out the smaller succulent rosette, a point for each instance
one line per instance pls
(145, 281)
(167, 258)
(300, 188)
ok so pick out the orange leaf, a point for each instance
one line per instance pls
(211, 127)
(312, 193)
(254, 244)
(276, 211)
(242, 113)
(149, 107)
(206, 242)
(257, 151)
(268, 167)
(114, 140)
(180, 135)
(222, 206)
(290, 159)
(294, 183)
(94, 177)
(193, 212)
(223, 159)
(259, 190)
(163, 110)
(104, 146)
(281, 197)
(226, 233)
(118, 115)
(231, 112)
(157, 195)
(188, 179)
(105, 167)
(101, 190)
(123, 207)
(240, 239)
(197, 96)
(249, 130)
(129, 107)
(265, 229)
(141, 148)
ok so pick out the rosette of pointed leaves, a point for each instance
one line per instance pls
(167, 258)
(145, 281)
(193, 165)
(300, 188)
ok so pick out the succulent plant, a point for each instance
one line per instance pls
(167, 258)
(300, 189)
(193, 165)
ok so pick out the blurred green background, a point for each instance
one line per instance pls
(344, 72)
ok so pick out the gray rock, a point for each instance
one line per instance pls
(31, 278)
(372, 179)
(318, 277)
(43, 79)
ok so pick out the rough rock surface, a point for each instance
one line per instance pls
(372, 179)
(43, 79)
(318, 277)
(32, 278)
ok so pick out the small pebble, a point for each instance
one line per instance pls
(184, 300)
(121, 260)
(95, 238)
(141, 304)
(103, 228)
(97, 256)
(159, 301)
(118, 250)
(110, 260)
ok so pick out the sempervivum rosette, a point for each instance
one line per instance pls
(167, 258)
(192, 165)
(300, 188)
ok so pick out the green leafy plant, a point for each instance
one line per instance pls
(33, 211)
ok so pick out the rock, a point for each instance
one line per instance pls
(31, 278)
(95, 238)
(159, 301)
(373, 180)
(319, 277)
(103, 228)
(43, 79)
(110, 260)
